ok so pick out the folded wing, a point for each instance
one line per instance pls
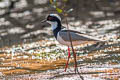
(76, 36)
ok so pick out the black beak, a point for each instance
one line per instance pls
(43, 21)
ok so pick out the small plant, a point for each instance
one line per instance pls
(60, 6)
(62, 10)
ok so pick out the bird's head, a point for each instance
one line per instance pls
(52, 19)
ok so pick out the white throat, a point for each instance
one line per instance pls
(54, 25)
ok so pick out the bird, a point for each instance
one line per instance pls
(61, 34)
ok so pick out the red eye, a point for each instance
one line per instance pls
(50, 18)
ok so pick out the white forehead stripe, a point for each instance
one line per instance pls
(56, 15)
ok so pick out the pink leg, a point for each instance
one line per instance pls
(75, 60)
(68, 59)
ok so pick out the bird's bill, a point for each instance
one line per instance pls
(43, 21)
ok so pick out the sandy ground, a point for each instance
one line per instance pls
(33, 53)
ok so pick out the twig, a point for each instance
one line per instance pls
(74, 54)
(70, 38)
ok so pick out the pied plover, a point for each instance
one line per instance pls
(62, 36)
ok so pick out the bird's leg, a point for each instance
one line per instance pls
(68, 58)
(74, 54)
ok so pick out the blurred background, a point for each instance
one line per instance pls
(29, 51)
(20, 20)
